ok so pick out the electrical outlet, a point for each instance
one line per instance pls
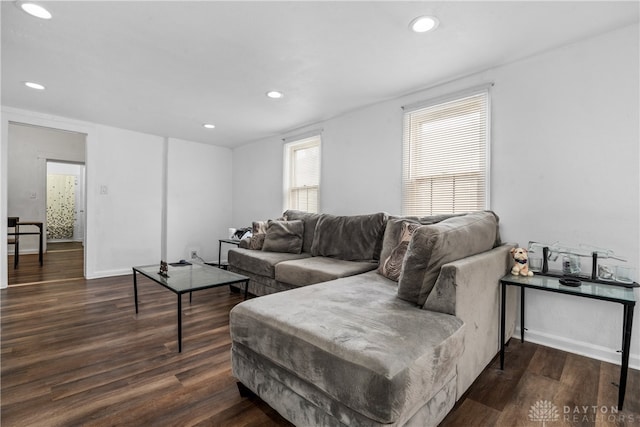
(194, 254)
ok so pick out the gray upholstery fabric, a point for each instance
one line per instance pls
(284, 236)
(432, 246)
(469, 288)
(304, 404)
(259, 262)
(426, 220)
(356, 342)
(310, 220)
(260, 285)
(351, 238)
(307, 271)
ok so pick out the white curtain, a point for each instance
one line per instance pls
(60, 206)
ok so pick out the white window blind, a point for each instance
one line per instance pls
(445, 156)
(303, 184)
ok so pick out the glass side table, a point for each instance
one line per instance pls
(600, 291)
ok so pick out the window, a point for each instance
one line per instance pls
(302, 174)
(445, 156)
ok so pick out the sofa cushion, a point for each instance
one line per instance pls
(310, 220)
(432, 246)
(307, 271)
(351, 238)
(284, 236)
(259, 262)
(354, 341)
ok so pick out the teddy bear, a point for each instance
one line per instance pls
(521, 265)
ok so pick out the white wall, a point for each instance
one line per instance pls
(565, 166)
(257, 181)
(28, 151)
(198, 199)
(124, 225)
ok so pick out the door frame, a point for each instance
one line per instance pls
(10, 114)
(82, 178)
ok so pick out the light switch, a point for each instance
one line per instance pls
(33, 195)
(104, 189)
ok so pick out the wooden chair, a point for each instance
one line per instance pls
(13, 238)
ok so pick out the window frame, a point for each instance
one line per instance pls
(411, 111)
(291, 145)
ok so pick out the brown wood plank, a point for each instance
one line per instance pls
(60, 261)
(579, 383)
(470, 413)
(548, 362)
(75, 353)
(496, 387)
(532, 388)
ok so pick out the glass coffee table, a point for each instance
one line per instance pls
(187, 278)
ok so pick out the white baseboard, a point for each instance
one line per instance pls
(593, 351)
(108, 273)
(25, 252)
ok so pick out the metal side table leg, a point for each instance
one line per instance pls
(179, 323)
(135, 290)
(522, 314)
(502, 322)
(626, 345)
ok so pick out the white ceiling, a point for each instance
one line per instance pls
(167, 67)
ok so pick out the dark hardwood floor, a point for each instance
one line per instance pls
(75, 353)
(61, 261)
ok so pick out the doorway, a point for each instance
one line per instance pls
(34, 154)
(65, 202)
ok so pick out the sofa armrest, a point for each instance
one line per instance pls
(470, 290)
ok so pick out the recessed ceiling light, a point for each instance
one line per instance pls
(34, 9)
(34, 85)
(208, 126)
(274, 94)
(422, 24)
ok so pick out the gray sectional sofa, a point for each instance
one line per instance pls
(328, 247)
(385, 320)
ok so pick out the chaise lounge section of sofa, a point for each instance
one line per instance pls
(386, 347)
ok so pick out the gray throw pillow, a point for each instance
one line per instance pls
(310, 220)
(432, 246)
(284, 236)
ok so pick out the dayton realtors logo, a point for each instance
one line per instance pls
(544, 411)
